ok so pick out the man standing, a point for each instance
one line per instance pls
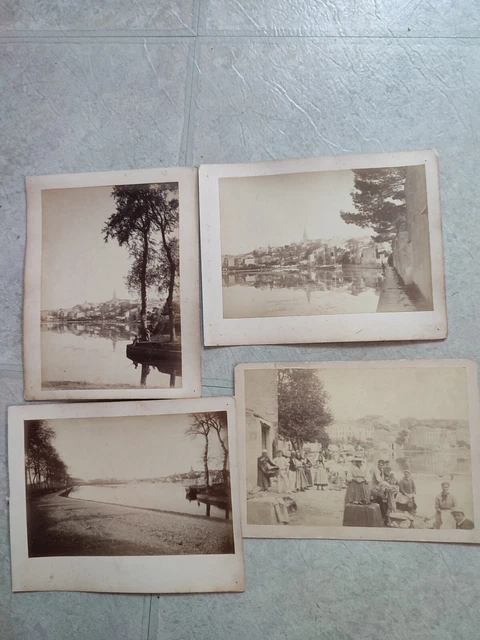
(282, 479)
(444, 503)
(378, 489)
(461, 521)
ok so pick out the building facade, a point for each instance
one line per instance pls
(261, 418)
(345, 431)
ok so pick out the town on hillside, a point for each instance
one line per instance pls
(310, 253)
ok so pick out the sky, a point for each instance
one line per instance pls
(130, 448)
(77, 265)
(262, 210)
(396, 393)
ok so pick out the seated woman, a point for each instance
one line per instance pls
(358, 491)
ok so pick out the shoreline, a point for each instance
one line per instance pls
(59, 526)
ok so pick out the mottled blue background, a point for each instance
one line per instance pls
(116, 84)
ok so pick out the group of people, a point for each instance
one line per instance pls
(293, 472)
(380, 486)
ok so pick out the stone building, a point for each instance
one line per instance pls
(261, 418)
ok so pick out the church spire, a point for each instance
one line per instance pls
(114, 297)
(305, 236)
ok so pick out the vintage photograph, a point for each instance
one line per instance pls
(110, 287)
(333, 242)
(299, 243)
(129, 486)
(387, 447)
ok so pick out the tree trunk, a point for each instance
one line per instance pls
(205, 463)
(143, 289)
(171, 283)
(171, 311)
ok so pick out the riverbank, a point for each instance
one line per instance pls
(61, 526)
(325, 508)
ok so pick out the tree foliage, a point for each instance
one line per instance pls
(303, 411)
(145, 219)
(203, 424)
(402, 437)
(43, 466)
(379, 199)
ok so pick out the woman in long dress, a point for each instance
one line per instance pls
(406, 493)
(300, 477)
(358, 491)
(307, 467)
(320, 475)
(265, 470)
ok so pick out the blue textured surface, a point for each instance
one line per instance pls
(95, 86)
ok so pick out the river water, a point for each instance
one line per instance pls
(350, 289)
(163, 496)
(82, 356)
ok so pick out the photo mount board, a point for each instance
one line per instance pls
(118, 574)
(187, 178)
(282, 531)
(347, 327)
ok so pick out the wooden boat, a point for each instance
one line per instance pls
(145, 351)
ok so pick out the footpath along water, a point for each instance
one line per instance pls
(164, 496)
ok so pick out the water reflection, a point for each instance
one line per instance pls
(211, 509)
(438, 463)
(94, 355)
(340, 289)
(171, 369)
(354, 278)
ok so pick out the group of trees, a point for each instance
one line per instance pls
(144, 221)
(303, 411)
(204, 425)
(379, 199)
(43, 466)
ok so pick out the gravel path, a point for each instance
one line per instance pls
(61, 526)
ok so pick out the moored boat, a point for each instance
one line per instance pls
(142, 351)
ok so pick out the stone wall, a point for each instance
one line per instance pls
(261, 404)
(411, 248)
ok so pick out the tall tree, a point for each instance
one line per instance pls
(303, 411)
(43, 466)
(379, 200)
(217, 422)
(141, 212)
(201, 427)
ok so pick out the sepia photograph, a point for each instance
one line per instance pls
(303, 244)
(382, 450)
(153, 485)
(112, 273)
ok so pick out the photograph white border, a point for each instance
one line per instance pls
(359, 327)
(361, 533)
(119, 574)
(187, 178)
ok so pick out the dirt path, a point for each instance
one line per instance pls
(61, 526)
